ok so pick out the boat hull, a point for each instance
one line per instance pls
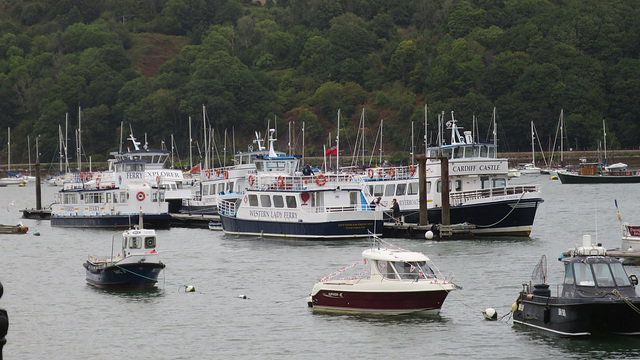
(151, 221)
(512, 218)
(579, 316)
(319, 230)
(134, 276)
(568, 178)
(379, 302)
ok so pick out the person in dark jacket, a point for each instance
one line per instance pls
(395, 210)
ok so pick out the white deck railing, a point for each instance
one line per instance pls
(459, 198)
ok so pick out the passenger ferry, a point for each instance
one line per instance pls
(113, 198)
(480, 189)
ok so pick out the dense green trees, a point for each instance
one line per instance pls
(300, 61)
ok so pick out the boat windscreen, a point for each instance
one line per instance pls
(620, 275)
(583, 274)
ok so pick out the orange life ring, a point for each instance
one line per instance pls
(89, 175)
(412, 170)
(280, 181)
(371, 173)
(217, 171)
(251, 179)
(207, 173)
(321, 180)
(392, 172)
(226, 174)
(140, 196)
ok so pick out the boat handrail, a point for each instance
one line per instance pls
(227, 207)
(302, 182)
(459, 198)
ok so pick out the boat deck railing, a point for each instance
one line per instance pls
(301, 183)
(227, 207)
(460, 198)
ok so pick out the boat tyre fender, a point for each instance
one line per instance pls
(370, 172)
(321, 180)
(412, 170)
(280, 182)
(140, 196)
(251, 180)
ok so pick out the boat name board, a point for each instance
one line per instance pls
(634, 230)
(477, 168)
(135, 175)
(164, 174)
(271, 214)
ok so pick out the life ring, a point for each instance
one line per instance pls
(412, 170)
(628, 173)
(98, 181)
(89, 175)
(140, 196)
(392, 172)
(280, 181)
(321, 180)
(217, 171)
(245, 199)
(573, 171)
(251, 180)
(158, 180)
(226, 174)
(371, 173)
(207, 173)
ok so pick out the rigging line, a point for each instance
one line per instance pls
(509, 213)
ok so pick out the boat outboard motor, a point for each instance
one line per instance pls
(4, 324)
(541, 290)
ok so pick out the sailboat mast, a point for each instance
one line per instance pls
(190, 146)
(604, 131)
(79, 140)
(338, 144)
(381, 124)
(9, 149)
(426, 142)
(533, 148)
(204, 134)
(412, 146)
(29, 152)
(495, 132)
(303, 143)
(561, 137)
(60, 141)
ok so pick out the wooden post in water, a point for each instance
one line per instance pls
(444, 178)
(422, 190)
(38, 190)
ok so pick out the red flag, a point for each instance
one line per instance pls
(332, 151)
(195, 169)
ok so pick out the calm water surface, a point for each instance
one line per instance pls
(55, 315)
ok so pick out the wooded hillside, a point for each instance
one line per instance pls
(153, 64)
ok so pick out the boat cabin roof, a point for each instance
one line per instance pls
(393, 255)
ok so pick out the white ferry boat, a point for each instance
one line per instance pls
(479, 183)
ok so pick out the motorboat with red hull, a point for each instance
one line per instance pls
(596, 296)
(399, 282)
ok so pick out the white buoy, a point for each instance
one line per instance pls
(243, 297)
(189, 288)
(490, 314)
(428, 235)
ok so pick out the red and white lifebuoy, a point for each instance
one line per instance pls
(251, 180)
(280, 181)
(140, 196)
(207, 173)
(98, 181)
(370, 173)
(392, 172)
(321, 180)
(412, 170)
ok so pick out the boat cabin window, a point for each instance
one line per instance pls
(568, 274)
(265, 200)
(353, 197)
(414, 188)
(603, 275)
(485, 182)
(408, 270)
(123, 197)
(291, 202)
(278, 201)
(220, 188)
(389, 190)
(92, 198)
(205, 190)
(455, 185)
(446, 153)
(377, 190)
(135, 243)
(620, 275)
(401, 189)
(386, 269)
(499, 182)
(70, 199)
(108, 197)
(253, 200)
(150, 242)
(583, 274)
